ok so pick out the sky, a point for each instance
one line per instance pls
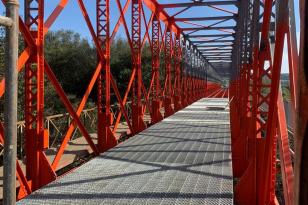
(71, 18)
(285, 66)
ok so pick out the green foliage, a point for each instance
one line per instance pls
(286, 93)
(121, 63)
(285, 86)
(73, 60)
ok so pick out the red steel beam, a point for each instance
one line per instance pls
(162, 15)
(207, 3)
(168, 88)
(40, 171)
(137, 114)
(156, 90)
(37, 169)
(177, 73)
(105, 136)
(287, 172)
(301, 137)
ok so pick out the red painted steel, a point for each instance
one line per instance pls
(137, 111)
(167, 87)
(258, 122)
(300, 165)
(156, 89)
(105, 136)
(256, 150)
(177, 73)
(38, 170)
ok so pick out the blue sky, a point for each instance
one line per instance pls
(72, 19)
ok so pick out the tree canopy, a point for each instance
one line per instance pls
(74, 59)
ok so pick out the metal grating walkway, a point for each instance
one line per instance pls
(185, 159)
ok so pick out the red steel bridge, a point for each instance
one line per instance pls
(214, 103)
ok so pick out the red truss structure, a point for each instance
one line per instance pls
(233, 52)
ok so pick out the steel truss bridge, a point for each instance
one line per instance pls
(214, 102)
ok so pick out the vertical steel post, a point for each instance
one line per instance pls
(138, 123)
(189, 74)
(301, 130)
(177, 69)
(10, 109)
(168, 89)
(292, 56)
(31, 16)
(156, 90)
(106, 138)
(38, 168)
(270, 141)
(184, 75)
(245, 147)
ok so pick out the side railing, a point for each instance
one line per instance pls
(58, 124)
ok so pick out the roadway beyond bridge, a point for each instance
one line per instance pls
(184, 159)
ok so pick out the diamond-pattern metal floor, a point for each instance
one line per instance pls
(185, 159)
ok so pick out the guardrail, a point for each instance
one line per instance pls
(57, 126)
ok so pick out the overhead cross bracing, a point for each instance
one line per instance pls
(208, 25)
(176, 53)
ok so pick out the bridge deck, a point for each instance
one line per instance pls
(185, 159)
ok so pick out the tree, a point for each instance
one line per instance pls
(73, 60)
